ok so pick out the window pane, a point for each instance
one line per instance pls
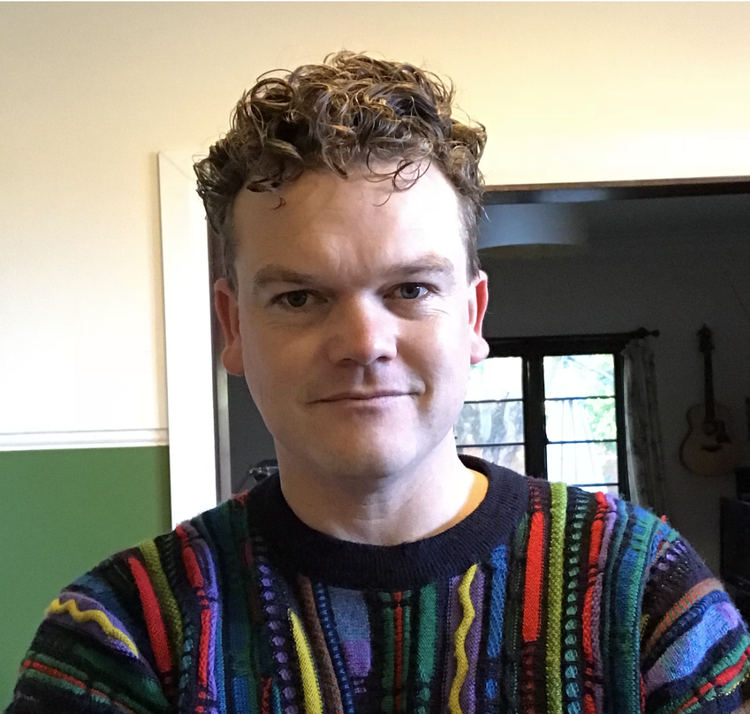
(510, 456)
(581, 419)
(490, 423)
(579, 376)
(496, 378)
(611, 490)
(581, 464)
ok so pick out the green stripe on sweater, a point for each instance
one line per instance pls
(559, 494)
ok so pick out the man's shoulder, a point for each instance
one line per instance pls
(131, 615)
(204, 526)
(574, 501)
(164, 567)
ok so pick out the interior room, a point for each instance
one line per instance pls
(570, 93)
(671, 263)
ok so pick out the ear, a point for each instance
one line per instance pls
(479, 296)
(228, 313)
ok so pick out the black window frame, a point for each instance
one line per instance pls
(532, 351)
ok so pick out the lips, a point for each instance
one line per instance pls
(362, 396)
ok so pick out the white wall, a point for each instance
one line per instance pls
(90, 92)
(674, 283)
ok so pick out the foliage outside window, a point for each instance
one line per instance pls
(549, 407)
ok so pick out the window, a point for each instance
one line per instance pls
(550, 407)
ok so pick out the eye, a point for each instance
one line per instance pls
(411, 291)
(295, 298)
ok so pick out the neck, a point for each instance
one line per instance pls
(384, 509)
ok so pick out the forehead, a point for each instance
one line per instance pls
(353, 217)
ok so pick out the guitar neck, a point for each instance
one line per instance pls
(708, 372)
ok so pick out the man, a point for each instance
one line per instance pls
(378, 572)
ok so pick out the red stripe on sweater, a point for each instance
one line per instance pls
(203, 657)
(399, 637)
(597, 529)
(265, 704)
(52, 672)
(57, 674)
(196, 580)
(589, 707)
(188, 557)
(157, 632)
(534, 578)
(726, 676)
(729, 674)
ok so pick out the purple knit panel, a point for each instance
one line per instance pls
(454, 619)
(275, 609)
(352, 624)
(94, 629)
(468, 695)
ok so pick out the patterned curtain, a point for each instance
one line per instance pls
(644, 442)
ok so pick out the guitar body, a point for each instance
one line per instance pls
(707, 450)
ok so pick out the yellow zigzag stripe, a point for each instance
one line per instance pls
(71, 608)
(462, 662)
(310, 689)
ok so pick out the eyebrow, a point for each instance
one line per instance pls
(431, 264)
(270, 274)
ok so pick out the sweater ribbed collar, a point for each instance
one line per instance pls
(296, 548)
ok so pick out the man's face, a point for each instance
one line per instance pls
(354, 322)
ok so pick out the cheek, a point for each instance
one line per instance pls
(261, 373)
(274, 370)
(442, 365)
(438, 346)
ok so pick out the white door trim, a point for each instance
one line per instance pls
(187, 327)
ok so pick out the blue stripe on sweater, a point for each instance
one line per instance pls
(688, 651)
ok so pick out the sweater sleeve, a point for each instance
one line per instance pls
(695, 647)
(94, 652)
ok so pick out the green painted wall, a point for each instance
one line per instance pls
(62, 512)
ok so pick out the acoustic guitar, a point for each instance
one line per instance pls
(708, 450)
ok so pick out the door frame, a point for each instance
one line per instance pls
(196, 383)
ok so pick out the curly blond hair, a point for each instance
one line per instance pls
(351, 111)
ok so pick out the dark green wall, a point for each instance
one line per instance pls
(61, 512)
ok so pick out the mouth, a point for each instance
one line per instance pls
(364, 396)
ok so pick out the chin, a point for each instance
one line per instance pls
(366, 465)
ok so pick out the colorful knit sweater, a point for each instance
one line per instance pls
(544, 599)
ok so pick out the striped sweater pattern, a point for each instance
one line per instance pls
(545, 599)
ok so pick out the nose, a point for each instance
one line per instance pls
(361, 331)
